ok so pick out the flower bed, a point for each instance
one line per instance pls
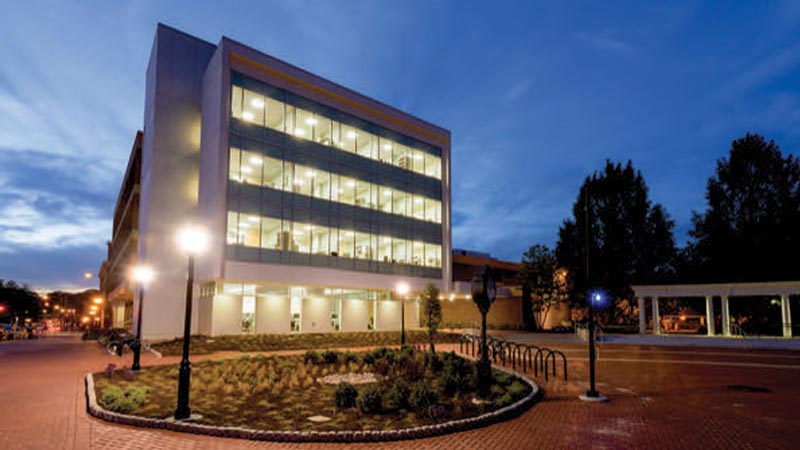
(282, 393)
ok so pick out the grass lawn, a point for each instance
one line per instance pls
(202, 345)
(282, 392)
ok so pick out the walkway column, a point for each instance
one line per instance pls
(726, 316)
(642, 317)
(786, 316)
(710, 315)
(656, 318)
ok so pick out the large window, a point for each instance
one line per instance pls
(254, 108)
(249, 167)
(286, 235)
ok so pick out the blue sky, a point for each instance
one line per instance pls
(537, 95)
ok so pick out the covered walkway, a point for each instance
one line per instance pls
(722, 290)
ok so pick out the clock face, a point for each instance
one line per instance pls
(491, 291)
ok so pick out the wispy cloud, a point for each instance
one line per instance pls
(605, 41)
(49, 201)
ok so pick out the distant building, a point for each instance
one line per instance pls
(458, 309)
(319, 200)
(115, 285)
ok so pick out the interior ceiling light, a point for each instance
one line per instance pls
(311, 121)
(299, 132)
(387, 192)
(418, 156)
(351, 134)
(247, 115)
(257, 103)
(246, 169)
(387, 146)
(255, 160)
(310, 173)
(252, 219)
(351, 184)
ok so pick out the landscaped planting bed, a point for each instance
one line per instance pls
(201, 345)
(282, 393)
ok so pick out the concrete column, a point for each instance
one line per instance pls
(710, 315)
(642, 317)
(786, 316)
(656, 317)
(726, 317)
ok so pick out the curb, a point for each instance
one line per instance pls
(508, 412)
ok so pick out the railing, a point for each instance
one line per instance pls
(514, 353)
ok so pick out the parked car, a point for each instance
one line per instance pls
(6, 332)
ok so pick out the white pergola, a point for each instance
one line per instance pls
(722, 290)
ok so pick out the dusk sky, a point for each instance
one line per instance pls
(537, 96)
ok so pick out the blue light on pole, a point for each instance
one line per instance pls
(598, 298)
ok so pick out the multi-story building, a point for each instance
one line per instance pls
(319, 201)
(115, 283)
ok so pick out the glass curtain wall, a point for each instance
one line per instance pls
(264, 111)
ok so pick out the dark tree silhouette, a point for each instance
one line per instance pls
(19, 301)
(750, 230)
(631, 239)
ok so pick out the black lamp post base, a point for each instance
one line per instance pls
(593, 396)
(137, 352)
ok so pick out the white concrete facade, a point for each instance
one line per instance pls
(185, 180)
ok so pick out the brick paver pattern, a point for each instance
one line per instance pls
(659, 398)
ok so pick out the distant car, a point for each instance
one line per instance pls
(7, 331)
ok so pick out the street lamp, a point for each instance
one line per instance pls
(594, 297)
(99, 301)
(402, 290)
(193, 240)
(141, 275)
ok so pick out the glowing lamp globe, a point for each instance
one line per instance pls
(193, 240)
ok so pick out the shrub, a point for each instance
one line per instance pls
(382, 366)
(369, 358)
(448, 383)
(517, 390)
(125, 401)
(422, 396)
(370, 400)
(397, 396)
(504, 401)
(503, 378)
(311, 357)
(440, 411)
(414, 368)
(330, 356)
(433, 362)
(350, 357)
(345, 395)
(497, 390)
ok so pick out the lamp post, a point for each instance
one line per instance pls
(592, 394)
(402, 291)
(141, 275)
(99, 301)
(193, 241)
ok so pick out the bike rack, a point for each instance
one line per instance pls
(528, 356)
(553, 353)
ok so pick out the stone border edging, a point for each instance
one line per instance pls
(502, 414)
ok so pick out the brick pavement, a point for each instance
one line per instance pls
(660, 398)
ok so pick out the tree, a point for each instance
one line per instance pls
(431, 311)
(547, 283)
(749, 232)
(19, 301)
(630, 239)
